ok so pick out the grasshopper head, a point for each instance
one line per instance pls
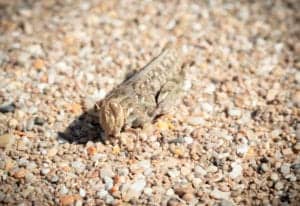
(112, 118)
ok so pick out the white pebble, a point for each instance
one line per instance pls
(173, 173)
(234, 112)
(63, 190)
(82, 192)
(170, 192)
(199, 170)
(78, 166)
(106, 172)
(219, 194)
(279, 186)
(285, 168)
(35, 50)
(274, 177)
(196, 121)
(45, 171)
(210, 89)
(99, 95)
(98, 157)
(187, 85)
(188, 140)
(212, 169)
(135, 189)
(207, 107)
(139, 185)
(108, 183)
(102, 193)
(236, 170)
(242, 149)
(148, 191)
(109, 199)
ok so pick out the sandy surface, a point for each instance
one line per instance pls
(234, 140)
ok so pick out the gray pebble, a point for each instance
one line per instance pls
(63, 190)
(274, 176)
(199, 170)
(285, 168)
(39, 121)
(78, 166)
(106, 172)
(54, 179)
(279, 185)
(5, 108)
(264, 167)
(108, 182)
(109, 199)
(225, 202)
(102, 193)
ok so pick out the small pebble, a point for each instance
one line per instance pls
(200, 171)
(173, 202)
(188, 140)
(297, 146)
(135, 189)
(188, 197)
(102, 193)
(296, 98)
(285, 168)
(39, 121)
(5, 108)
(217, 194)
(212, 169)
(7, 140)
(210, 89)
(173, 173)
(82, 192)
(207, 107)
(234, 112)
(148, 191)
(78, 166)
(265, 167)
(196, 121)
(274, 176)
(109, 199)
(242, 149)
(63, 190)
(287, 151)
(279, 185)
(13, 123)
(170, 192)
(225, 202)
(108, 182)
(236, 170)
(54, 179)
(68, 200)
(21, 173)
(106, 172)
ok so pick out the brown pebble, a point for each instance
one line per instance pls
(21, 173)
(7, 140)
(173, 202)
(296, 98)
(68, 199)
(188, 197)
(91, 150)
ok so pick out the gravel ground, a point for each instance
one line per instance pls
(234, 140)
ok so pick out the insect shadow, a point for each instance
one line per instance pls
(84, 128)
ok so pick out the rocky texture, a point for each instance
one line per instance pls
(234, 139)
